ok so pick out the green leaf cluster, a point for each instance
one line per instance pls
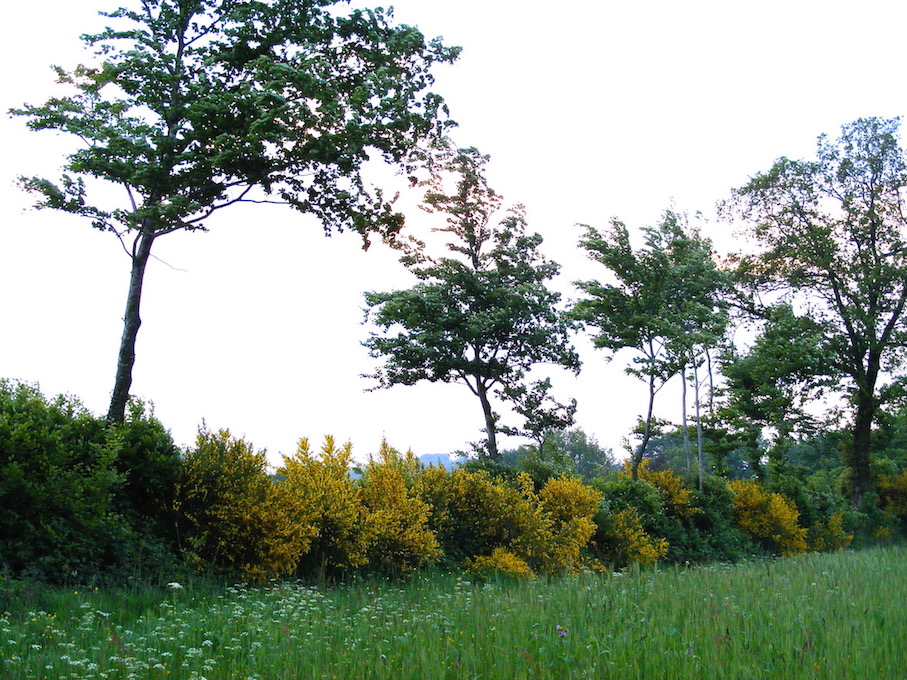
(192, 106)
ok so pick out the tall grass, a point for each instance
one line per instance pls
(815, 616)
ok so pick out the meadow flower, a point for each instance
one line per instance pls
(173, 585)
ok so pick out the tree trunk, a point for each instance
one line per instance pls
(647, 433)
(131, 322)
(686, 429)
(490, 427)
(698, 428)
(708, 357)
(858, 455)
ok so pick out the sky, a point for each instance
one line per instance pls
(588, 110)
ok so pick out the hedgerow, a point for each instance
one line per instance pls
(85, 501)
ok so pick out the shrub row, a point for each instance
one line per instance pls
(86, 501)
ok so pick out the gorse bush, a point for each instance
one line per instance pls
(571, 507)
(397, 534)
(326, 500)
(624, 542)
(678, 498)
(500, 562)
(768, 517)
(893, 496)
(829, 535)
(232, 516)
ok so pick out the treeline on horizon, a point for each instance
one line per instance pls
(87, 501)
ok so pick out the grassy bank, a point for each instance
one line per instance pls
(815, 616)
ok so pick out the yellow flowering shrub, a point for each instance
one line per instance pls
(433, 486)
(529, 526)
(232, 515)
(768, 517)
(882, 534)
(472, 512)
(893, 494)
(829, 535)
(475, 515)
(322, 495)
(630, 544)
(671, 487)
(398, 539)
(500, 562)
(570, 505)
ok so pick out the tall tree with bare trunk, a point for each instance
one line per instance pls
(195, 105)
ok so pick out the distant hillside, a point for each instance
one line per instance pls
(441, 459)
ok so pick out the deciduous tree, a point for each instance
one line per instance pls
(830, 236)
(771, 384)
(196, 105)
(483, 315)
(662, 304)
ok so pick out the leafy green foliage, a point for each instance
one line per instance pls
(58, 488)
(149, 463)
(484, 315)
(663, 305)
(770, 385)
(194, 107)
(830, 232)
(562, 453)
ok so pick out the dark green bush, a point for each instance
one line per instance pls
(58, 484)
(149, 464)
(714, 535)
(708, 533)
(82, 500)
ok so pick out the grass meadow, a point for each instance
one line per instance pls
(840, 615)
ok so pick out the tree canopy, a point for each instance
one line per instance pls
(662, 304)
(483, 315)
(771, 384)
(195, 106)
(830, 238)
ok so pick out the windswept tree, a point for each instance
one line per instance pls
(483, 315)
(830, 237)
(196, 105)
(662, 303)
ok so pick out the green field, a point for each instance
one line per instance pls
(815, 616)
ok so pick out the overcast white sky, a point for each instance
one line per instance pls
(588, 109)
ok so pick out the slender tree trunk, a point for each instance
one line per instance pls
(131, 322)
(708, 358)
(699, 456)
(490, 427)
(647, 432)
(686, 429)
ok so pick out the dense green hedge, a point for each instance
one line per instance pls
(81, 500)
(88, 501)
